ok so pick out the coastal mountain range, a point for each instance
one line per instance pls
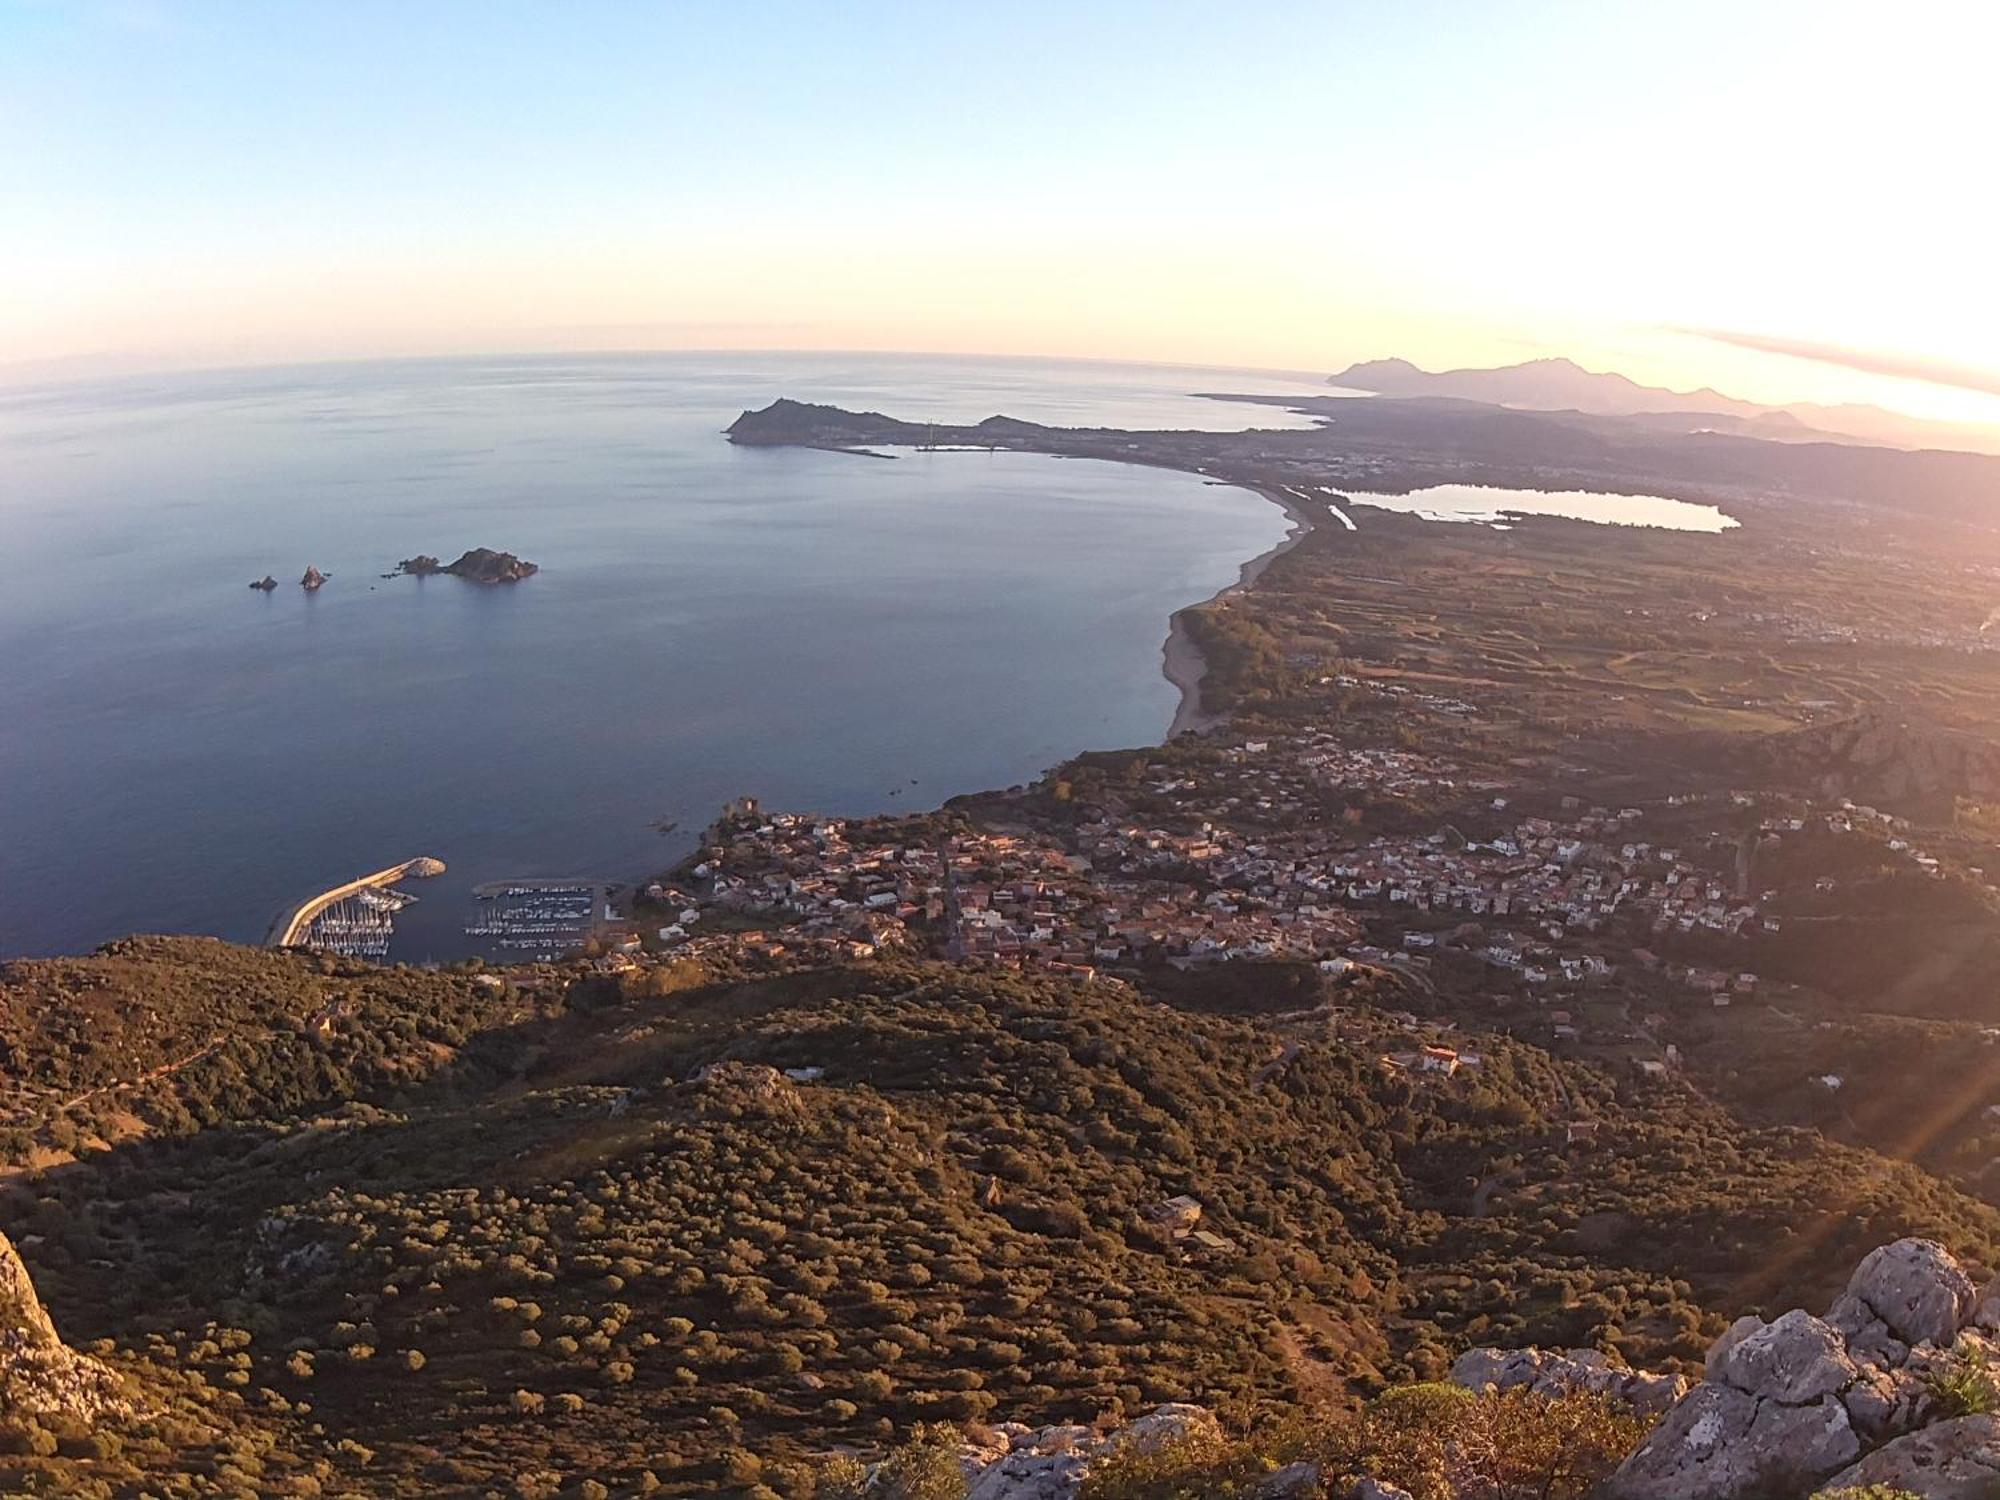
(1562, 385)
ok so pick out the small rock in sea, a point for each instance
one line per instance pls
(313, 579)
(265, 584)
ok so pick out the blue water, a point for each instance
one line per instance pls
(846, 634)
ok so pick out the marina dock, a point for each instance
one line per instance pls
(372, 904)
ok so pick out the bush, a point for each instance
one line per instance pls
(1965, 1386)
(924, 1468)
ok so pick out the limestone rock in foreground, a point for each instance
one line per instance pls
(1953, 1460)
(1720, 1443)
(1795, 1360)
(40, 1376)
(1917, 1288)
(1790, 1403)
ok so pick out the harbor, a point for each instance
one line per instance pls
(534, 919)
(355, 919)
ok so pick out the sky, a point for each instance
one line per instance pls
(1784, 200)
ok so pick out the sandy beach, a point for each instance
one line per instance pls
(1181, 659)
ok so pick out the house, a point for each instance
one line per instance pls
(1437, 1060)
(1178, 1215)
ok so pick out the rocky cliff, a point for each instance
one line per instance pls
(1894, 761)
(40, 1376)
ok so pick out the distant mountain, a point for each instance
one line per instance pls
(1541, 385)
(1564, 385)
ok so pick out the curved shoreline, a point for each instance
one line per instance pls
(1182, 663)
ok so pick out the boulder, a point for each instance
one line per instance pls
(1172, 1423)
(1917, 1288)
(1735, 1333)
(1796, 1360)
(1868, 1337)
(1884, 1403)
(1375, 1489)
(1650, 1394)
(1986, 1307)
(1027, 1475)
(1957, 1459)
(1721, 1443)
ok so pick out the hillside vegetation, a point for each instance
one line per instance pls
(604, 1235)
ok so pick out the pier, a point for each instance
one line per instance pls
(294, 928)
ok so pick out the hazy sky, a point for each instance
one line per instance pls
(1283, 184)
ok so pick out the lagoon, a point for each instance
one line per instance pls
(1487, 505)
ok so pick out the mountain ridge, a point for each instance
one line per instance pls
(1557, 383)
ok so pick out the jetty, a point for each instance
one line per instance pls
(291, 929)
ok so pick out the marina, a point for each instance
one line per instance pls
(525, 919)
(356, 919)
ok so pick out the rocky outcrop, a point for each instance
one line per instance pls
(265, 584)
(1794, 1361)
(1891, 759)
(1050, 1463)
(40, 1376)
(479, 565)
(1547, 1372)
(1719, 1443)
(1957, 1459)
(1791, 1404)
(311, 579)
(1915, 1288)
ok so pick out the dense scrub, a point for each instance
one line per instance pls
(561, 1255)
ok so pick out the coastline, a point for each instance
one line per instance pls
(1181, 660)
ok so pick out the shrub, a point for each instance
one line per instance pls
(926, 1467)
(1966, 1385)
(841, 1477)
(1554, 1448)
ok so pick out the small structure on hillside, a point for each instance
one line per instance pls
(1178, 1216)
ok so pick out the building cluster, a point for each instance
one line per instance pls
(1576, 874)
(1251, 866)
(1235, 877)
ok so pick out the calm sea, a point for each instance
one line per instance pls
(844, 634)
